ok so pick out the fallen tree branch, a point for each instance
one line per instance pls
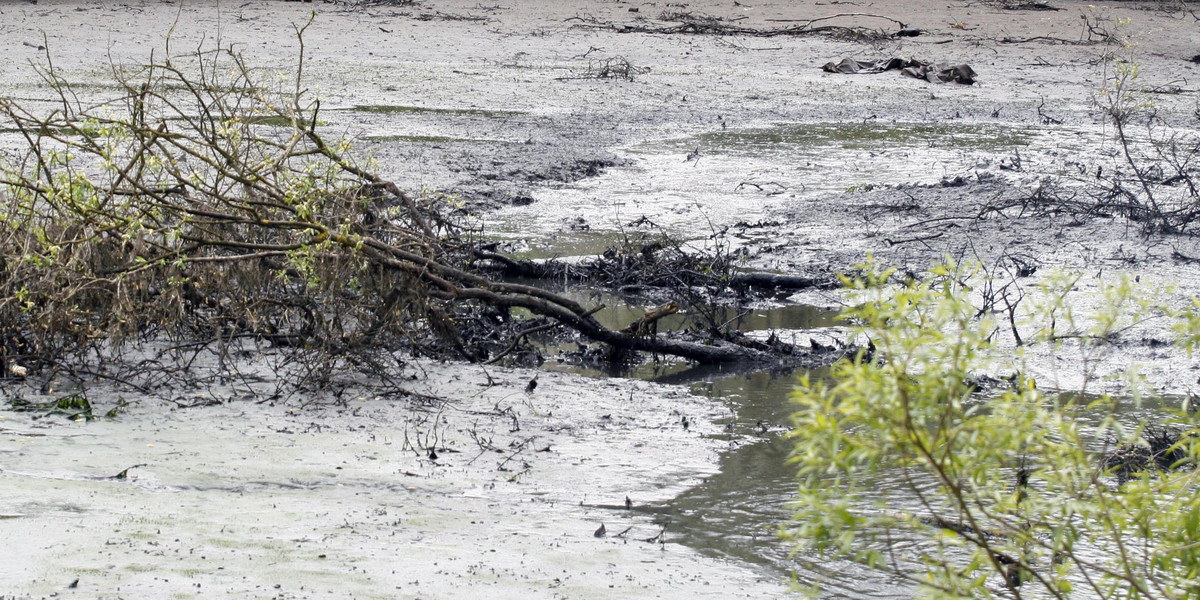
(186, 217)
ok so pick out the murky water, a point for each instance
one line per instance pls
(738, 513)
(392, 109)
(791, 322)
(692, 185)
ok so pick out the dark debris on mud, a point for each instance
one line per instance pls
(1160, 449)
(653, 269)
(512, 181)
(683, 22)
(659, 269)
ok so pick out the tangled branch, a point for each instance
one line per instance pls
(204, 208)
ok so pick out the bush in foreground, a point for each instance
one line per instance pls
(907, 466)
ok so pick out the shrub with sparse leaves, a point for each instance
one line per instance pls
(910, 463)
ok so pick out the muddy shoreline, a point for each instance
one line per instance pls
(241, 499)
(497, 106)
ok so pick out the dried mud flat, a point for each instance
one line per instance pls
(249, 500)
(498, 103)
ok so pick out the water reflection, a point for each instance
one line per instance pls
(790, 322)
(738, 512)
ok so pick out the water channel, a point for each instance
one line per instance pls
(738, 513)
(689, 186)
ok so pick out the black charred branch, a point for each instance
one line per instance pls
(784, 282)
(452, 283)
(1160, 449)
(617, 268)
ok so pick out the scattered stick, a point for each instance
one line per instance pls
(890, 242)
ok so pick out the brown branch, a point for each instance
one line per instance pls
(649, 320)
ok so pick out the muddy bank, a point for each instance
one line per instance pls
(493, 492)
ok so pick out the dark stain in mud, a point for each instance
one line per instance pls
(512, 180)
(814, 137)
(566, 172)
(388, 109)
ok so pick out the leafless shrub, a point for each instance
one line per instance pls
(1100, 27)
(1154, 180)
(688, 17)
(617, 67)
